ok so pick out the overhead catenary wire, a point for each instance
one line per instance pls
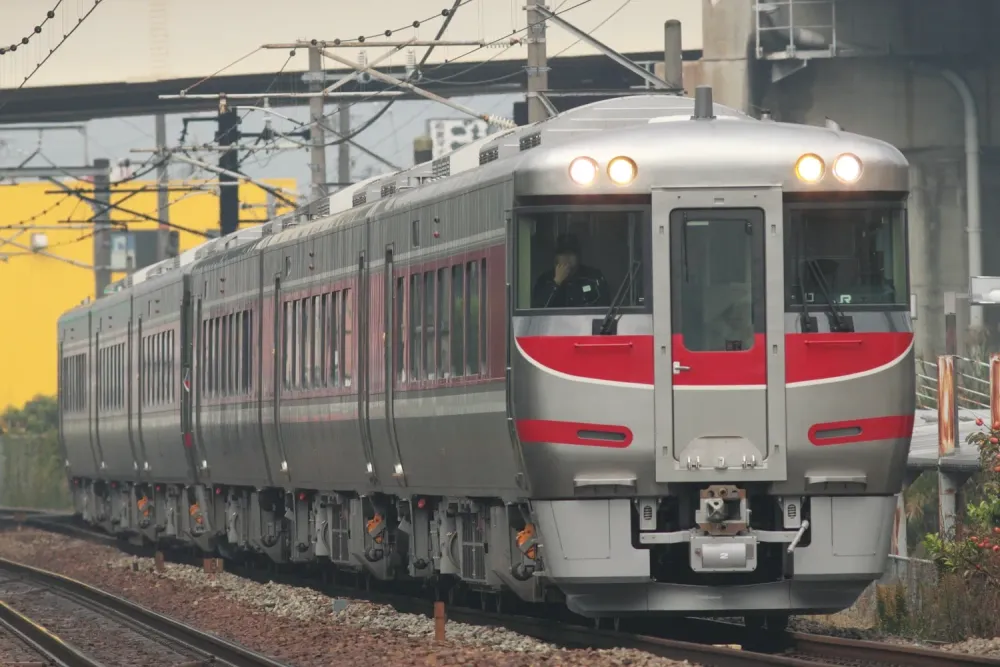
(371, 121)
(54, 49)
(24, 41)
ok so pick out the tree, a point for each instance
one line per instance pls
(32, 472)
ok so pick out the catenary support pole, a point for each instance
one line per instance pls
(102, 226)
(162, 189)
(344, 149)
(317, 163)
(538, 66)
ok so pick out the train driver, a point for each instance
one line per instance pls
(570, 284)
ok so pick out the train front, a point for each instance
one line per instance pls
(712, 364)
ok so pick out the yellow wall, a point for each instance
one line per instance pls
(35, 290)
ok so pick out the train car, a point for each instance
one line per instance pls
(651, 355)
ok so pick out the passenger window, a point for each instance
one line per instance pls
(458, 324)
(416, 312)
(717, 261)
(472, 319)
(579, 259)
(443, 324)
(400, 329)
(429, 335)
(347, 326)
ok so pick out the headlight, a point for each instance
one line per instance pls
(847, 168)
(810, 168)
(622, 170)
(583, 170)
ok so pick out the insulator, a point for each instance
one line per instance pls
(411, 63)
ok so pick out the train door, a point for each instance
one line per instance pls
(719, 340)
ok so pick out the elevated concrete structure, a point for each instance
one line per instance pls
(879, 68)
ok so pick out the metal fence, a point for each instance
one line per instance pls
(973, 384)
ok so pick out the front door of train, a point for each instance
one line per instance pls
(718, 322)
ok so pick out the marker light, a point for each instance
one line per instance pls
(809, 168)
(622, 170)
(583, 170)
(847, 168)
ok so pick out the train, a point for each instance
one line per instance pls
(649, 356)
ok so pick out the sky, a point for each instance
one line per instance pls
(142, 40)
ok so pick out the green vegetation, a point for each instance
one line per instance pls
(958, 595)
(31, 463)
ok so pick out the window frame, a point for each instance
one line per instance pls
(791, 208)
(758, 256)
(645, 220)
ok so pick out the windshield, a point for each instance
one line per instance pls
(578, 259)
(856, 254)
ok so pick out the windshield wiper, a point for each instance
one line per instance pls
(839, 323)
(610, 323)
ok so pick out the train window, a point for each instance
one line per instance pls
(458, 326)
(347, 326)
(318, 306)
(400, 329)
(305, 338)
(472, 304)
(416, 313)
(428, 358)
(717, 279)
(578, 259)
(852, 255)
(483, 338)
(286, 344)
(293, 335)
(443, 324)
(334, 342)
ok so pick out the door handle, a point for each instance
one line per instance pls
(678, 368)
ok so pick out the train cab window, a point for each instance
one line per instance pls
(579, 259)
(850, 255)
(717, 279)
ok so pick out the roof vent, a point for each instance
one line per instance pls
(530, 141)
(359, 198)
(389, 190)
(489, 155)
(703, 105)
(441, 167)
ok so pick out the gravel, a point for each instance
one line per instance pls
(297, 625)
(14, 651)
(102, 638)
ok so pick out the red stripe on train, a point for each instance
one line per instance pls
(808, 357)
(573, 433)
(862, 430)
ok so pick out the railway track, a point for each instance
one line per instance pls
(71, 624)
(706, 642)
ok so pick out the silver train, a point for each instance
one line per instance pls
(649, 356)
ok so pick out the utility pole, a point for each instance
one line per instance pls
(538, 68)
(228, 134)
(344, 150)
(673, 55)
(102, 226)
(316, 133)
(162, 189)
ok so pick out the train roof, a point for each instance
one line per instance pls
(691, 152)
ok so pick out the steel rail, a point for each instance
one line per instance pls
(41, 640)
(839, 649)
(781, 649)
(180, 634)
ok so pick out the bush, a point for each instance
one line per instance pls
(31, 461)
(964, 599)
